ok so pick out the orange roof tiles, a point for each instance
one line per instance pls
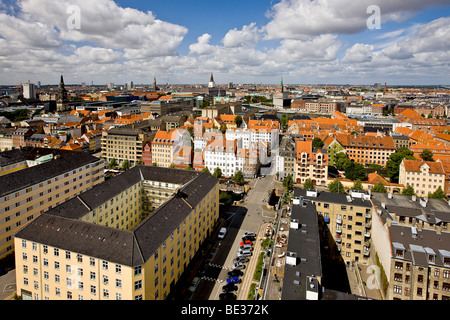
(415, 165)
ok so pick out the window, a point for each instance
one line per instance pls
(138, 285)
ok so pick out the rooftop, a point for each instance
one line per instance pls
(61, 227)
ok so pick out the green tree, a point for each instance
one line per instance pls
(355, 171)
(189, 168)
(238, 121)
(171, 166)
(288, 182)
(284, 120)
(309, 184)
(223, 128)
(205, 169)
(357, 185)
(225, 198)
(238, 177)
(340, 159)
(379, 187)
(409, 191)
(427, 155)
(126, 165)
(393, 164)
(317, 143)
(217, 173)
(336, 186)
(112, 164)
(438, 194)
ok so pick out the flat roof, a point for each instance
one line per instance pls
(305, 243)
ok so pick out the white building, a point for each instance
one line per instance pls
(220, 153)
(29, 90)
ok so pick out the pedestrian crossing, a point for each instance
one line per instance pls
(219, 266)
(212, 279)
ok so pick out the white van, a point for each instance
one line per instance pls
(222, 233)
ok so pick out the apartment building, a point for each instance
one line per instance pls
(117, 241)
(162, 147)
(167, 106)
(248, 161)
(345, 222)
(221, 153)
(410, 235)
(287, 157)
(27, 193)
(125, 143)
(425, 176)
(311, 163)
(367, 149)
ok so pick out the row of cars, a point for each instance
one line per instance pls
(243, 255)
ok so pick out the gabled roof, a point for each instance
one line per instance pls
(416, 165)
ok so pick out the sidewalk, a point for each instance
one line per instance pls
(247, 279)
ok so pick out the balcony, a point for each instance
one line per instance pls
(366, 251)
(338, 238)
(339, 220)
(338, 229)
(367, 233)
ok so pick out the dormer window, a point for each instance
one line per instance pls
(399, 250)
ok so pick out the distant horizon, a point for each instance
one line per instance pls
(245, 84)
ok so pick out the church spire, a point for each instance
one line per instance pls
(211, 83)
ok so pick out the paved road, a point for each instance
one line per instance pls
(249, 216)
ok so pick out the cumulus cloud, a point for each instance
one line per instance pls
(202, 46)
(248, 35)
(295, 18)
(358, 53)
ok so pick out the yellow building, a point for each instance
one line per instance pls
(125, 143)
(346, 222)
(119, 240)
(27, 193)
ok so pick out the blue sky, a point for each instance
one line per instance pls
(246, 41)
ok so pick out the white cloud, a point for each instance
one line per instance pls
(358, 53)
(296, 18)
(202, 46)
(248, 35)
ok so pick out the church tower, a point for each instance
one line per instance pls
(211, 83)
(62, 102)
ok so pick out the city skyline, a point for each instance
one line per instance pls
(252, 41)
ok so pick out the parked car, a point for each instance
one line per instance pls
(249, 234)
(248, 238)
(246, 247)
(234, 279)
(222, 233)
(229, 287)
(244, 242)
(235, 272)
(241, 259)
(238, 265)
(244, 253)
(227, 296)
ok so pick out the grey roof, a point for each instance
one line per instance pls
(419, 243)
(330, 197)
(305, 242)
(61, 228)
(435, 211)
(19, 180)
